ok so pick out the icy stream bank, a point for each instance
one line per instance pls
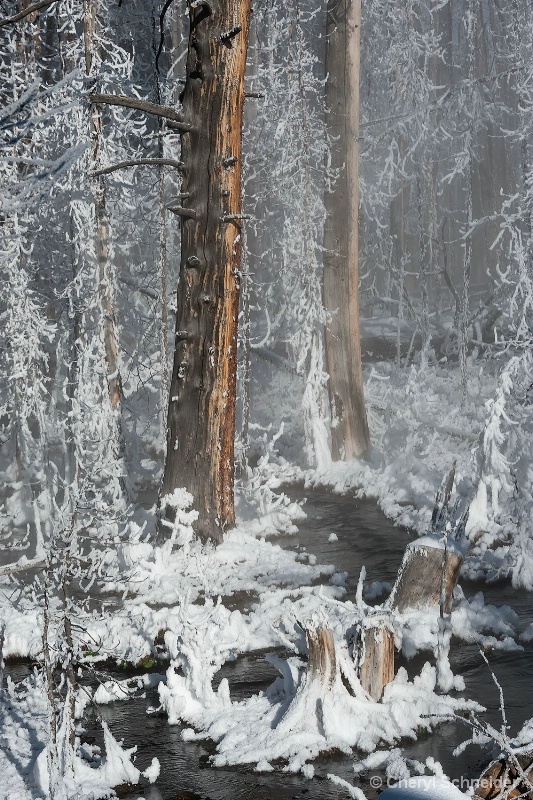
(348, 533)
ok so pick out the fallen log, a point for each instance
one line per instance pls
(509, 777)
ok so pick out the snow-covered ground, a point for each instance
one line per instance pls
(178, 594)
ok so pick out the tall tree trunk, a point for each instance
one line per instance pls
(105, 281)
(469, 143)
(163, 251)
(349, 427)
(201, 412)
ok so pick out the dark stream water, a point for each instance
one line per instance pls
(364, 537)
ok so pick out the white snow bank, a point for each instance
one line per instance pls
(26, 753)
(298, 717)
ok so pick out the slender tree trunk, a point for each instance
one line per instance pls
(163, 251)
(471, 31)
(105, 282)
(201, 414)
(349, 429)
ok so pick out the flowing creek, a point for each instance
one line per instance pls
(364, 537)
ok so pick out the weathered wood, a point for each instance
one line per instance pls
(431, 565)
(141, 105)
(201, 414)
(138, 162)
(377, 667)
(349, 429)
(502, 779)
(427, 573)
(322, 663)
(25, 12)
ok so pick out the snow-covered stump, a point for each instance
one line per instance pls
(322, 664)
(427, 577)
(431, 565)
(377, 657)
(507, 778)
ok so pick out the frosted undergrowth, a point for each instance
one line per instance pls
(419, 428)
(173, 594)
(418, 431)
(26, 755)
(296, 718)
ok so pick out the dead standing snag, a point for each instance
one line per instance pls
(201, 413)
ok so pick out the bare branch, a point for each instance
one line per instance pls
(235, 217)
(142, 105)
(26, 12)
(166, 162)
(162, 32)
(188, 213)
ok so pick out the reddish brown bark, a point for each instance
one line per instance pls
(201, 414)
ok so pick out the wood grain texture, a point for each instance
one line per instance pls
(422, 574)
(322, 663)
(349, 430)
(377, 669)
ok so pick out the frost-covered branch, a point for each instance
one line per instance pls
(142, 105)
(137, 162)
(25, 12)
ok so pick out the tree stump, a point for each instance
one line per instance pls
(430, 567)
(322, 664)
(428, 575)
(377, 657)
(502, 779)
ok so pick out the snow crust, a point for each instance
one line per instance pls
(180, 593)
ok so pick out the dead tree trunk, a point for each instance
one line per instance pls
(201, 412)
(105, 281)
(322, 664)
(349, 427)
(427, 572)
(377, 657)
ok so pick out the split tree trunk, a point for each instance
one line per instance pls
(201, 413)
(431, 565)
(349, 427)
(322, 664)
